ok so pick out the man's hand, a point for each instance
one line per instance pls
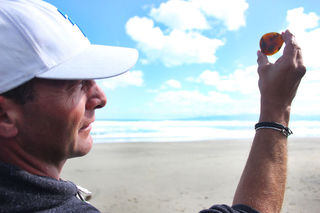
(278, 82)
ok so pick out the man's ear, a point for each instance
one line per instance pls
(8, 127)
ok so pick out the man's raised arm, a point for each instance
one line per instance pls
(263, 180)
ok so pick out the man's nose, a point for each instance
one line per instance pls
(96, 97)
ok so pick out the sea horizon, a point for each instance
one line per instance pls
(184, 130)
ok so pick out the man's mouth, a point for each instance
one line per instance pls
(86, 127)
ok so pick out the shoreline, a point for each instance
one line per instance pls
(177, 177)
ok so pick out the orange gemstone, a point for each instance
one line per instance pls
(271, 43)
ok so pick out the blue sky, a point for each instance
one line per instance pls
(197, 57)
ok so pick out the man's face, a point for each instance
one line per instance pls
(56, 124)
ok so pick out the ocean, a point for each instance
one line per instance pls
(191, 130)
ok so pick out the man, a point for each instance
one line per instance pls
(48, 98)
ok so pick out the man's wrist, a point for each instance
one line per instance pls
(278, 113)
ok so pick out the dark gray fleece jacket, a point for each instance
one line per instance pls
(21, 191)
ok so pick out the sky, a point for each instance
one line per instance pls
(197, 58)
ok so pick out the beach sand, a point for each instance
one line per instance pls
(186, 176)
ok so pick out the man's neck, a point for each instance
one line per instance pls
(13, 154)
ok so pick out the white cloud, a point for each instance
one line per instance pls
(300, 21)
(194, 14)
(235, 93)
(190, 98)
(244, 84)
(181, 40)
(192, 103)
(307, 101)
(172, 84)
(231, 12)
(143, 31)
(179, 14)
(243, 81)
(176, 48)
(131, 78)
(305, 26)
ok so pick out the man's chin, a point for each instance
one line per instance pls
(83, 147)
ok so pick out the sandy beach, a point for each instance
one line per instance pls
(186, 176)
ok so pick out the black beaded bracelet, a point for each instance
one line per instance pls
(276, 126)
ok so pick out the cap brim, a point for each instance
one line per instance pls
(95, 62)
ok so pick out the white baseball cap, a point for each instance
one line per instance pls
(37, 40)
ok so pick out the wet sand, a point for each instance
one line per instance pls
(186, 177)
